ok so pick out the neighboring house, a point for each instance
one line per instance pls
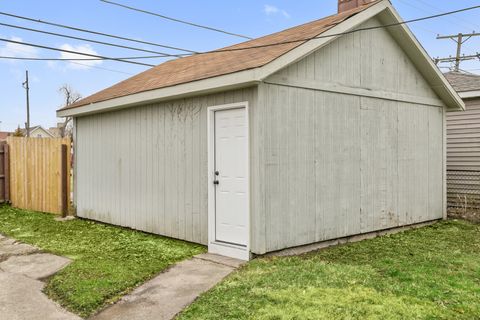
(260, 147)
(4, 135)
(38, 132)
(57, 131)
(463, 147)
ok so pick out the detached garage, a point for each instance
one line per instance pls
(326, 130)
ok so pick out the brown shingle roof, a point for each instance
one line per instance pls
(462, 82)
(203, 66)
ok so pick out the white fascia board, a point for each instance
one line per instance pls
(469, 94)
(424, 63)
(226, 82)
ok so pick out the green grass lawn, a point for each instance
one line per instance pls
(429, 273)
(107, 261)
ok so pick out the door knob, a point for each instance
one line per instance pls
(216, 182)
(217, 173)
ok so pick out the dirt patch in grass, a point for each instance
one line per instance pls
(429, 273)
(107, 262)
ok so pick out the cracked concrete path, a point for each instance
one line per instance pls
(35, 266)
(170, 292)
(10, 247)
(21, 268)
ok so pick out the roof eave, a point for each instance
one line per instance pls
(388, 15)
(469, 94)
(245, 78)
(226, 82)
(231, 81)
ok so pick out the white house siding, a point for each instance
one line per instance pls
(463, 154)
(146, 167)
(333, 165)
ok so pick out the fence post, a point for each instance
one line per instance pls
(64, 174)
(6, 171)
(2, 173)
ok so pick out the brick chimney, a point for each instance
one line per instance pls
(345, 5)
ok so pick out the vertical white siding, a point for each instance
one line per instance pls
(338, 165)
(335, 165)
(146, 167)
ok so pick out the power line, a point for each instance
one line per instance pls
(437, 10)
(458, 18)
(456, 59)
(69, 60)
(346, 32)
(87, 40)
(415, 7)
(75, 52)
(459, 39)
(429, 11)
(276, 43)
(94, 32)
(176, 20)
(74, 59)
(102, 68)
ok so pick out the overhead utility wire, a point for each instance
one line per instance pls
(344, 33)
(177, 20)
(88, 40)
(75, 52)
(102, 68)
(429, 11)
(271, 44)
(79, 59)
(440, 10)
(94, 32)
(451, 21)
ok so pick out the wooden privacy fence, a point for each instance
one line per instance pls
(40, 174)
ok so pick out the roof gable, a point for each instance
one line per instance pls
(367, 63)
(33, 130)
(219, 71)
(202, 66)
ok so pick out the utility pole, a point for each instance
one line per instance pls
(460, 39)
(27, 89)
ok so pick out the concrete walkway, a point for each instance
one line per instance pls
(22, 267)
(170, 292)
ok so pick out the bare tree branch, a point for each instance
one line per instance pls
(70, 96)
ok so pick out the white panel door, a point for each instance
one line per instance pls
(231, 176)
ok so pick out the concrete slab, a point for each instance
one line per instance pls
(230, 262)
(169, 293)
(35, 266)
(22, 298)
(355, 238)
(10, 247)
